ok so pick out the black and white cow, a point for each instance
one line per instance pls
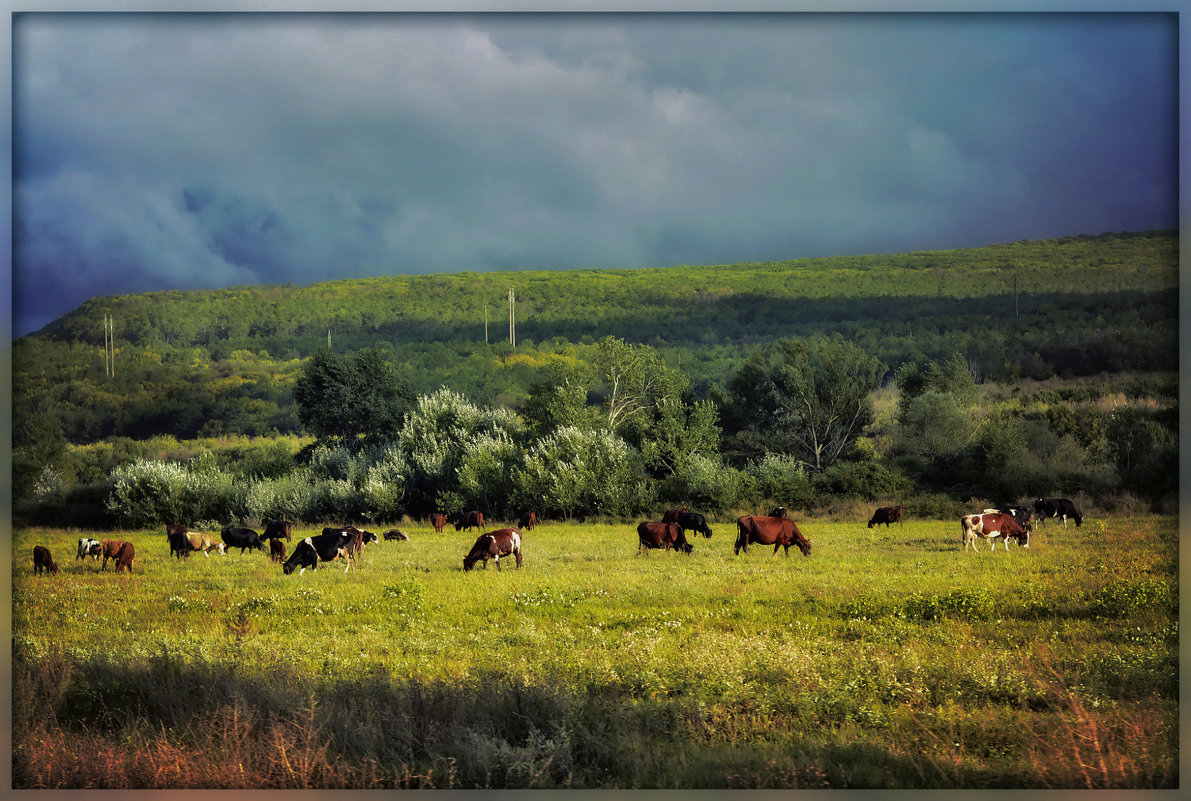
(1057, 507)
(1021, 514)
(320, 548)
(89, 547)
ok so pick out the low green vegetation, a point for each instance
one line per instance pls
(888, 659)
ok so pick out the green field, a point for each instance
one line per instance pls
(888, 659)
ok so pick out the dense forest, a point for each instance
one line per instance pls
(212, 374)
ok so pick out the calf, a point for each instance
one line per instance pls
(277, 550)
(887, 515)
(126, 557)
(242, 538)
(439, 521)
(394, 534)
(991, 527)
(493, 545)
(1057, 507)
(319, 548)
(42, 560)
(667, 535)
(89, 547)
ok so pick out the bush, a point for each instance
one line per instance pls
(782, 480)
(583, 473)
(1124, 598)
(705, 484)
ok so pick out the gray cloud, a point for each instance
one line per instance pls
(202, 151)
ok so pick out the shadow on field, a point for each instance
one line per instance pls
(169, 721)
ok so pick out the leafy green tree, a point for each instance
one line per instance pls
(809, 399)
(635, 379)
(558, 399)
(680, 432)
(353, 398)
(1144, 452)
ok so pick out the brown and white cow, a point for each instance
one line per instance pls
(493, 545)
(776, 531)
(201, 541)
(666, 535)
(42, 560)
(993, 527)
(887, 515)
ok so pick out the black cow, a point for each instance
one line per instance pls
(179, 541)
(469, 520)
(777, 511)
(396, 534)
(320, 548)
(242, 538)
(692, 521)
(1057, 507)
(1021, 514)
(527, 521)
(278, 529)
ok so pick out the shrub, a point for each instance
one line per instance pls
(583, 473)
(1124, 598)
(782, 480)
(706, 484)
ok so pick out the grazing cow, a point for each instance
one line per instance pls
(126, 557)
(42, 560)
(1020, 513)
(528, 521)
(111, 550)
(993, 526)
(887, 515)
(394, 534)
(179, 541)
(776, 531)
(278, 529)
(692, 521)
(89, 547)
(439, 521)
(358, 538)
(777, 511)
(175, 528)
(1057, 507)
(320, 548)
(666, 535)
(201, 541)
(493, 545)
(671, 515)
(242, 538)
(469, 520)
(277, 550)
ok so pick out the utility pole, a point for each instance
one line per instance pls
(1016, 308)
(485, 323)
(328, 338)
(512, 318)
(109, 346)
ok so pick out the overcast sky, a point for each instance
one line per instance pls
(198, 151)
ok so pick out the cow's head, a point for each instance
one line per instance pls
(804, 545)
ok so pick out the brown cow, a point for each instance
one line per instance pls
(278, 529)
(527, 521)
(277, 550)
(776, 531)
(42, 560)
(661, 535)
(994, 526)
(887, 515)
(493, 545)
(175, 528)
(126, 557)
(111, 550)
(439, 521)
(671, 515)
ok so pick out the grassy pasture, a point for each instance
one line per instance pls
(889, 658)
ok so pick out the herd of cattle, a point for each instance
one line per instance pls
(346, 543)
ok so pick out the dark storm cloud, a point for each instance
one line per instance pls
(210, 150)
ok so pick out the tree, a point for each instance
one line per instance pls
(351, 398)
(807, 399)
(558, 399)
(635, 379)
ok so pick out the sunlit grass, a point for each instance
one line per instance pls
(751, 670)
